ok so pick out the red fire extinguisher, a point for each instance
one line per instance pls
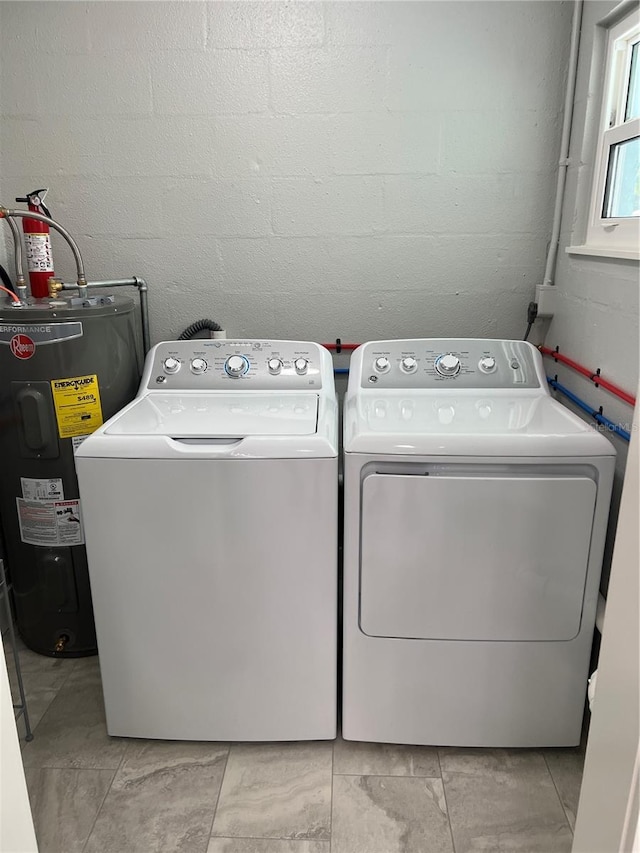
(37, 241)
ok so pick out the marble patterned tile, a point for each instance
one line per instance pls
(42, 678)
(384, 759)
(266, 845)
(162, 799)
(479, 762)
(40, 688)
(566, 767)
(31, 661)
(384, 814)
(503, 800)
(73, 732)
(278, 790)
(64, 804)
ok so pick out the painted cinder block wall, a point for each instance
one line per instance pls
(596, 321)
(313, 170)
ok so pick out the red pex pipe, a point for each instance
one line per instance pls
(590, 374)
(341, 346)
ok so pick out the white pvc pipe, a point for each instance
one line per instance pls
(563, 163)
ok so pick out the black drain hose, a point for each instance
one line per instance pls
(4, 277)
(199, 326)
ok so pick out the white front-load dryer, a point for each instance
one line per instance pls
(210, 505)
(475, 517)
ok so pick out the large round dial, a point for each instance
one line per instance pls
(448, 364)
(171, 365)
(409, 364)
(198, 365)
(301, 365)
(487, 364)
(381, 364)
(236, 365)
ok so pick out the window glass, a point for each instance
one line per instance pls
(622, 194)
(632, 109)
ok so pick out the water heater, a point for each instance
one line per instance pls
(65, 366)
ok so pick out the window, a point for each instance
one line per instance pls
(614, 219)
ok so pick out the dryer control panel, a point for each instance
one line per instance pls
(448, 362)
(210, 364)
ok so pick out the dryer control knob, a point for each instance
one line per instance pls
(487, 364)
(301, 365)
(171, 365)
(236, 365)
(447, 365)
(274, 365)
(198, 365)
(409, 364)
(381, 365)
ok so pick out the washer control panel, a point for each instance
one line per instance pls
(201, 365)
(448, 362)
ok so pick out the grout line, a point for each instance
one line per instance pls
(215, 808)
(564, 811)
(294, 840)
(385, 776)
(444, 794)
(95, 820)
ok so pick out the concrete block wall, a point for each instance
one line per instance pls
(313, 170)
(596, 322)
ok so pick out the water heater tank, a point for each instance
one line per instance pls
(65, 366)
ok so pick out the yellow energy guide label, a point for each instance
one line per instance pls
(77, 403)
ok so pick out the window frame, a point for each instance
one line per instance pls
(613, 236)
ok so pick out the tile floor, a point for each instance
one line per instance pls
(97, 794)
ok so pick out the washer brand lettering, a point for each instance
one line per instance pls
(22, 346)
(62, 384)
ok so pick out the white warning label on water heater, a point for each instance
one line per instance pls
(50, 523)
(42, 490)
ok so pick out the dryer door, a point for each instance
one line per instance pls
(474, 557)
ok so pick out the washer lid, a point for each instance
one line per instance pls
(218, 415)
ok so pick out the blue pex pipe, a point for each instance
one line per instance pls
(600, 418)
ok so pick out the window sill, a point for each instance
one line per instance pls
(603, 252)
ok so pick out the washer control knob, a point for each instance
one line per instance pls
(487, 364)
(236, 365)
(171, 365)
(301, 365)
(274, 365)
(447, 365)
(409, 364)
(381, 365)
(198, 365)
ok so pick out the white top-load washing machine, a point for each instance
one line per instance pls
(210, 505)
(475, 516)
